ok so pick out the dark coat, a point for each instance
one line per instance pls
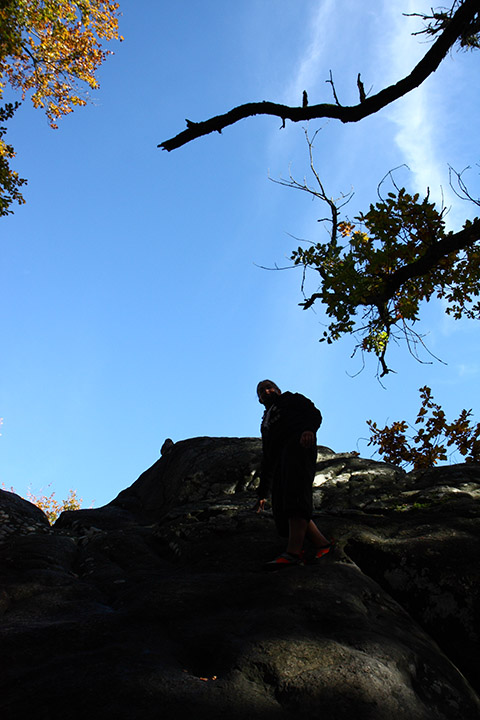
(284, 421)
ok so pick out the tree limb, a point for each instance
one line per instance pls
(441, 249)
(465, 15)
(427, 262)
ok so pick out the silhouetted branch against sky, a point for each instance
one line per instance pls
(464, 16)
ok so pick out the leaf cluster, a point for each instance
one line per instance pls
(51, 49)
(49, 46)
(10, 182)
(376, 272)
(431, 441)
(50, 506)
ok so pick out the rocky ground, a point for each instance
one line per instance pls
(158, 605)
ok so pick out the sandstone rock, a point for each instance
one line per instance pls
(193, 470)
(20, 517)
(424, 551)
(157, 605)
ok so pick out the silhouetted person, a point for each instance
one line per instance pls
(289, 427)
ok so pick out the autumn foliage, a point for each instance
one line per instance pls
(432, 442)
(377, 271)
(49, 505)
(51, 49)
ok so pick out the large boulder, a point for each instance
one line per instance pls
(20, 517)
(158, 604)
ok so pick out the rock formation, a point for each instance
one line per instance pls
(157, 604)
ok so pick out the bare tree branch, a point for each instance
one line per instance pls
(462, 192)
(335, 97)
(463, 17)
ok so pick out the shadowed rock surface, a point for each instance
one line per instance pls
(157, 605)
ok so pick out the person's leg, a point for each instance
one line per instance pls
(317, 538)
(292, 500)
(297, 527)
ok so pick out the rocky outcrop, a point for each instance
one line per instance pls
(18, 517)
(157, 605)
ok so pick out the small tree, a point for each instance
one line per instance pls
(49, 505)
(431, 441)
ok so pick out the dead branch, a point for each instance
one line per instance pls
(453, 30)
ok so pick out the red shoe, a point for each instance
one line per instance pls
(322, 551)
(283, 561)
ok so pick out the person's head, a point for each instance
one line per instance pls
(266, 391)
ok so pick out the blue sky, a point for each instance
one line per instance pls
(133, 304)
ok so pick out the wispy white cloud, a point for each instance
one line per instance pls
(308, 72)
(468, 370)
(419, 114)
